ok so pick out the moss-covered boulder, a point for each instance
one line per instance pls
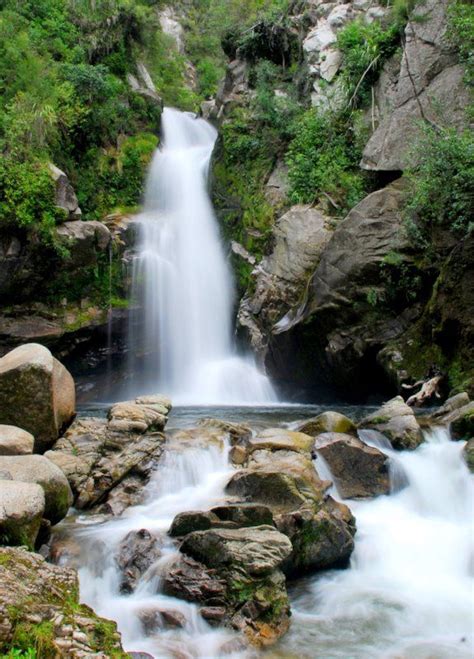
(38, 469)
(461, 422)
(40, 610)
(468, 454)
(397, 421)
(328, 422)
(234, 574)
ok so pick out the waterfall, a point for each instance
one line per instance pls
(182, 283)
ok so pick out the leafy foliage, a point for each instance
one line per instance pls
(461, 33)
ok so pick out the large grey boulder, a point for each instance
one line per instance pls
(429, 85)
(41, 471)
(397, 421)
(21, 510)
(360, 471)
(15, 441)
(281, 278)
(37, 393)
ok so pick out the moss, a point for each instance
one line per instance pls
(39, 636)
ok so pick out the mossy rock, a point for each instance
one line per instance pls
(328, 422)
(462, 426)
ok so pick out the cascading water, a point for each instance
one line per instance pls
(408, 593)
(182, 280)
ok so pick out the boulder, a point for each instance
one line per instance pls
(156, 619)
(148, 413)
(450, 405)
(99, 457)
(327, 422)
(65, 197)
(15, 441)
(39, 608)
(38, 469)
(360, 471)
(191, 520)
(21, 511)
(236, 578)
(36, 393)
(461, 422)
(137, 552)
(84, 240)
(244, 514)
(237, 431)
(276, 439)
(256, 550)
(397, 421)
(468, 455)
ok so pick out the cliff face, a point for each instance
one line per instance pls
(381, 299)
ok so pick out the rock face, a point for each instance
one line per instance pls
(429, 85)
(39, 608)
(235, 575)
(15, 441)
(360, 471)
(281, 279)
(36, 392)
(108, 461)
(396, 420)
(21, 511)
(83, 240)
(41, 471)
(137, 552)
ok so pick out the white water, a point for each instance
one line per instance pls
(189, 479)
(409, 592)
(183, 281)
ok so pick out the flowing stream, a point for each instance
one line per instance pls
(182, 281)
(407, 594)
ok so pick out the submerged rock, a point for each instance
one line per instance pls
(38, 469)
(21, 511)
(15, 441)
(39, 608)
(397, 421)
(360, 471)
(36, 393)
(137, 552)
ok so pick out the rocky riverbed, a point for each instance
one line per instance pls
(214, 513)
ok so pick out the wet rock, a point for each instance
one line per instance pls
(201, 437)
(189, 521)
(154, 620)
(244, 514)
(360, 471)
(98, 456)
(38, 469)
(255, 602)
(468, 455)
(237, 431)
(238, 455)
(276, 439)
(137, 552)
(461, 422)
(36, 393)
(257, 550)
(328, 422)
(21, 510)
(213, 614)
(15, 441)
(397, 421)
(33, 593)
(450, 405)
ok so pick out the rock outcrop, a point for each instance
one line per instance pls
(36, 393)
(39, 608)
(108, 461)
(65, 196)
